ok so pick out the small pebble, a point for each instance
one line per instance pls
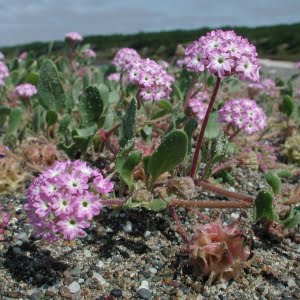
(64, 291)
(87, 253)
(116, 293)
(74, 287)
(127, 227)
(144, 293)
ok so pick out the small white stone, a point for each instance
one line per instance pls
(234, 216)
(87, 253)
(147, 233)
(231, 189)
(127, 227)
(74, 287)
(144, 285)
(100, 264)
(153, 270)
(291, 282)
(99, 278)
(80, 280)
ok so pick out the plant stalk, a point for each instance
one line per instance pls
(203, 127)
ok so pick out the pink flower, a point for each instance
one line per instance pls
(23, 56)
(297, 65)
(125, 57)
(62, 205)
(114, 77)
(25, 90)
(73, 36)
(198, 108)
(87, 206)
(3, 72)
(71, 227)
(89, 53)
(103, 185)
(74, 183)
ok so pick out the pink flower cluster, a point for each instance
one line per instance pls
(3, 73)
(198, 108)
(223, 53)
(297, 65)
(267, 86)
(4, 218)
(73, 37)
(114, 77)
(61, 200)
(25, 90)
(89, 53)
(153, 80)
(244, 114)
(23, 56)
(125, 57)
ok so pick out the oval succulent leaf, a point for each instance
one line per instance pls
(169, 154)
(90, 106)
(50, 91)
(263, 206)
(274, 181)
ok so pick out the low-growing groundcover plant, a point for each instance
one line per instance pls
(138, 120)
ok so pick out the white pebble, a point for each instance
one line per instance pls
(144, 285)
(99, 278)
(87, 253)
(234, 216)
(147, 233)
(74, 287)
(231, 189)
(127, 227)
(153, 270)
(80, 280)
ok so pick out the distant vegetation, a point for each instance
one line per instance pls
(275, 42)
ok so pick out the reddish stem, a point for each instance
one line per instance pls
(210, 204)
(203, 127)
(113, 202)
(178, 224)
(223, 192)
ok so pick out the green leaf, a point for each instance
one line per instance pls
(122, 155)
(263, 207)
(284, 173)
(287, 105)
(32, 78)
(274, 181)
(104, 92)
(169, 154)
(146, 160)
(293, 218)
(127, 130)
(146, 133)
(90, 106)
(189, 128)
(113, 97)
(50, 91)
(156, 205)
(127, 174)
(165, 105)
(64, 123)
(51, 117)
(15, 118)
(86, 132)
(213, 127)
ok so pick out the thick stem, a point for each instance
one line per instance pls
(178, 224)
(203, 127)
(223, 192)
(113, 202)
(210, 204)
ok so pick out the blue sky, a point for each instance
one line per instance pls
(41, 20)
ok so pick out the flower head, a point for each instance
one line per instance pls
(89, 53)
(114, 77)
(3, 72)
(244, 114)
(61, 202)
(25, 90)
(73, 36)
(223, 53)
(125, 57)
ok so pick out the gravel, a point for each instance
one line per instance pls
(143, 263)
